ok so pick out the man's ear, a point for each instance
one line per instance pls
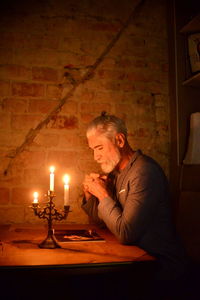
(120, 140)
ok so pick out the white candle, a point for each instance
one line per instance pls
(66, 189)
(35, 199)
(52, 169)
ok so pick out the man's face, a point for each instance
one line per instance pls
(106, 153)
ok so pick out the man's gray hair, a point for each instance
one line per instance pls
(108, 125)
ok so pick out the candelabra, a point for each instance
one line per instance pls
(50, 213)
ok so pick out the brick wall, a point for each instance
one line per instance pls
(40, 42)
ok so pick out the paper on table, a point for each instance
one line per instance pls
(77, 235)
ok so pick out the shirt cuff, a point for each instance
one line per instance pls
(106, 204)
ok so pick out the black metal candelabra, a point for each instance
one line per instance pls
(50, 213)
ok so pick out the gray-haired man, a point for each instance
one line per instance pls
(131, 198)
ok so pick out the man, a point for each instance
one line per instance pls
(131, 197)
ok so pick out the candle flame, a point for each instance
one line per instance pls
(52, 169)
(35, 195)
(66, 179)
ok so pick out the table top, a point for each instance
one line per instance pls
(19, 247)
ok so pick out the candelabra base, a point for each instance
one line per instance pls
(50, 242)
(50, 213)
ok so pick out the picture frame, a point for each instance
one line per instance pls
(194, 51)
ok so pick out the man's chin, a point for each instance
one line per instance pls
(107, 168)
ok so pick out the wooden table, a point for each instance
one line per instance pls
(19, 247)
(21, 260)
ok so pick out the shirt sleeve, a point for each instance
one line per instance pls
(145, 192)
(91, 208)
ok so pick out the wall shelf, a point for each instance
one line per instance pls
(193, 81)
(192, 26)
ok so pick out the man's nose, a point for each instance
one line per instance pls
(96, 156)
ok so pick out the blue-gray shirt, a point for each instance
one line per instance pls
(138, 212)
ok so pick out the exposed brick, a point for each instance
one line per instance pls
(126, 48)
(24, 89)
(126, 86)
(21, 195)
(40, 57)
(165, 67)
(106, 26)
(7, 39)
(86, 154)
(115, 75)
(137, 40)
(62, 158)
(4, 121)
(162, 129)
(34, 159)
(139, 63)
(162, 145)
(4, 88)
(160, 114)
(15, 72)
(24, 121)
(72, 43)
(145, 99)
(141, 132)
(124, 108)
(10, 215)
(6, 56)
(160, 100)
(53, 91)
(96, 108)
(130, 62)
(40, 41)
(15, 105)
(84, 60)
(138, 76)
(158, 88)
(92, 47)
(110, 98)
(63, 122)
(142, 87)
(41, 105)
(88, 166)
(73, 141)
(14, 177)
(10, 139)
(86, 95)
(86, 117)
(154, 66)
(70, 107)
(4, 196)
(44, 74)
(108, 62)
(47, 140)
(35, 177)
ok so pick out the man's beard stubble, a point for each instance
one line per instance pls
(111, 164)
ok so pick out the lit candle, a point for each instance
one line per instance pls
(52, 169)
(35, 199)
(66, 189)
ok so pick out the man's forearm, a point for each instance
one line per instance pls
(91, 208)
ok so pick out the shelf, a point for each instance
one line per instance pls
(193, 81)
(192, 26)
